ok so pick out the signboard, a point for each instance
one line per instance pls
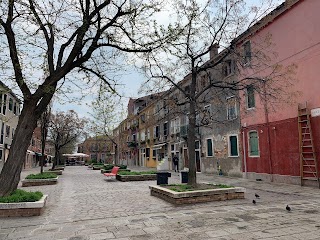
(315, 112)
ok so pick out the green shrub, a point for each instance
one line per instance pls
(41, 176)
(110, 166)
(21, 196)
(137, 173)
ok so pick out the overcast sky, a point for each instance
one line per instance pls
(130, 79)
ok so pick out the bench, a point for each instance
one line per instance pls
(113, 173)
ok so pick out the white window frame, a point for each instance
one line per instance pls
(229, 145)
(235, 108)
(249, 151)
(247, 63)
(247, 100)
(207, 147)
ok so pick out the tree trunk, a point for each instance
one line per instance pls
(10, 174)
(192, 177)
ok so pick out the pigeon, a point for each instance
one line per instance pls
(257, 196)
(288, 208)
(254, 201)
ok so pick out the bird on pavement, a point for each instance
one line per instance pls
(288, 208)
(257, 196)
(254, 201)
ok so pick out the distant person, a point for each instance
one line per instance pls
(176, 163)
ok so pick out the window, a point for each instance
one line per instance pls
(12, 132)
(2, 134)
(233, 146)
(227, 68)
(147, 152)
(165, 129)
(253, 144)
(247, 52)
(156, 132)
(10, 104)
(251, 103)
(4, 106)
(1, 103)
(197, 145)
(1, 155)
(231, 108)
(207, 110)
(177, 125)
(154, 153)
(143, 118)
(142, 135)
(7, 131)
(209, 147)
(15, 109)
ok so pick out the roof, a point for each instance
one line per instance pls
(10, 91)
(266, 20)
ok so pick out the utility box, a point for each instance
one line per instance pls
(162, 177)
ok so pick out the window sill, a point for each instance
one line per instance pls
(251, 109)
(233, 156)
(255, 156)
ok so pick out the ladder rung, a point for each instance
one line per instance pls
(313, 172)
(307, 152)
(310, 178)
(309, 159)
(301, 121)
(307, 146)
(306, 133)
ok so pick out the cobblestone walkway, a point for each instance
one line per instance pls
(84, 206)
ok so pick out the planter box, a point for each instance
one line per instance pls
(23, 209)
(120, 170)
(58, 172)
(97, 167)
(127, 178)
(57, 169)
(39, 182)
(208, 195)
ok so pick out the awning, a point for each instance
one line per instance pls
(158, 146)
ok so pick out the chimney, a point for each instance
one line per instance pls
(214, 50)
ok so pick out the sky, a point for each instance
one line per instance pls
(131, 80)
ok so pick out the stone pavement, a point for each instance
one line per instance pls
(84, 206)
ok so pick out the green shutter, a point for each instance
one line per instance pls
(253, 144)
(233, 146)
(209, 148)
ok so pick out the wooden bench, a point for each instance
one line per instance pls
(113, 173)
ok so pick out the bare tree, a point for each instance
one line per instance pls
(208, 28)
(81, 40)
(107, 112)
(44, 125)
(64, 129)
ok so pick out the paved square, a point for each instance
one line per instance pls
(85, 206)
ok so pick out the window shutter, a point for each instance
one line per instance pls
(233, 146)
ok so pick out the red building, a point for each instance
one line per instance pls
(270, 132)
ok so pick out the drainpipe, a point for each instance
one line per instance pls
(266, 112)
(244, 154)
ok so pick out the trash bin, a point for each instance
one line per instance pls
(162, 177)
(184, 176)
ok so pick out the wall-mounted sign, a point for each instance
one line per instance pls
(315, 112)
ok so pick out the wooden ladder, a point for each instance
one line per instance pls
(308, 160)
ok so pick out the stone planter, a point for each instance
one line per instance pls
(23, 209)
(57, 169)
(97, 167)
(208, 195)
(58, 172)
(39, 182)
(120, 170)
(144, 177)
